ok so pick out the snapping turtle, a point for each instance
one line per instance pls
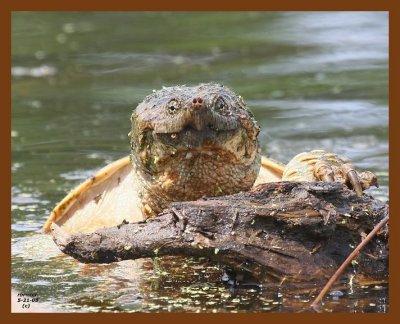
(186, 143)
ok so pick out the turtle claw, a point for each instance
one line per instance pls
(319, 165)
(359, 181)
(368, 179)
(355, 182)
(324, 171)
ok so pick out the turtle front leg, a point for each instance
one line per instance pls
(319, 165)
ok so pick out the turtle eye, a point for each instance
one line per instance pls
(220, 104)
(172, 106)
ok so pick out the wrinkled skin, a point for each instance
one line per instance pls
(189, 142)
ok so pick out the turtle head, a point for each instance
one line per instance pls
(185, 130)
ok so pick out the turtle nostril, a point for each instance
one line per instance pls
(197, 100)
(198, 103)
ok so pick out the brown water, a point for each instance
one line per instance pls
(313, 80)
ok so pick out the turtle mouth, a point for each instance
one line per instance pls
(189, 137)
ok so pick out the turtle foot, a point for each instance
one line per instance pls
(319, 165)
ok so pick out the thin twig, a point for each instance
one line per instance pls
(339, 271)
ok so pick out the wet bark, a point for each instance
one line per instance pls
(300, 232)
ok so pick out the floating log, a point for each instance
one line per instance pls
(294, 231)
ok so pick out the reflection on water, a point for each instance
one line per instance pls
(313, 80)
